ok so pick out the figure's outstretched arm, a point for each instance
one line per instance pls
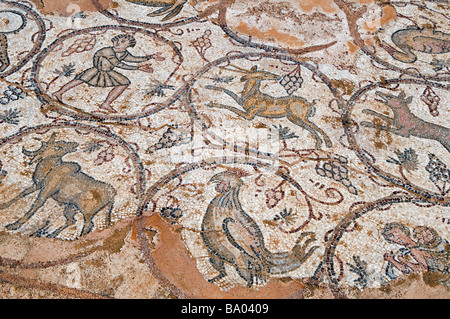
(137, 59)
(117, 63)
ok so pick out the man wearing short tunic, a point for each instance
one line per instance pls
(102, 74)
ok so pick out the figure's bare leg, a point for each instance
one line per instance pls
(66, 87)
(112, 96)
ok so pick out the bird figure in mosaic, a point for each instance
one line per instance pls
(232, 237)
(169, 8)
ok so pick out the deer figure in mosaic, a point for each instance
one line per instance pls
(405, 123)
(65, 183)
(256, 103)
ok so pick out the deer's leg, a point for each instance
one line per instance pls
(248, 115)
(69, 214)
(308, 128)
(233, 95)
(385, 118)
(299, 113)
(108, 214)
(110, 193)
(311, 128)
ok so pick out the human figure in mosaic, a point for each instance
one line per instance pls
(409, 258)
(438, 258)
(428, 253)
(102, 74)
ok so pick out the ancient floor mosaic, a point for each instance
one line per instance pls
(224, 149)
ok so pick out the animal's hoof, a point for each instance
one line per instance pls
(53, 235)
(13, 226)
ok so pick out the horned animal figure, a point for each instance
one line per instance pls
(255, 103)
(65, 183)
(405, 123)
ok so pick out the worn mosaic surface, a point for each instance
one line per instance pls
(224, 149)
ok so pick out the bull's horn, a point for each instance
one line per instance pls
(28, 153)
(34, 153)
(52, 138)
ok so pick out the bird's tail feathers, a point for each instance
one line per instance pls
(288, 261)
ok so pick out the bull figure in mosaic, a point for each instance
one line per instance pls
(232, 237)
(65, 183)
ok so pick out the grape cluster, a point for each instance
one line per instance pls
(12, 93)
(430, 98)
(170, 138)
(203, 43)
(437, 169)
(336, 169)
(291, 83)
(273, 197)
(80, 46)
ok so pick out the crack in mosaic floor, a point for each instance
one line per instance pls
(224, 149)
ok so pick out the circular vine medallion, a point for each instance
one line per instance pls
(399, 129)
(67, 180)
(95, 73)
(251, 228)
(261, 102)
